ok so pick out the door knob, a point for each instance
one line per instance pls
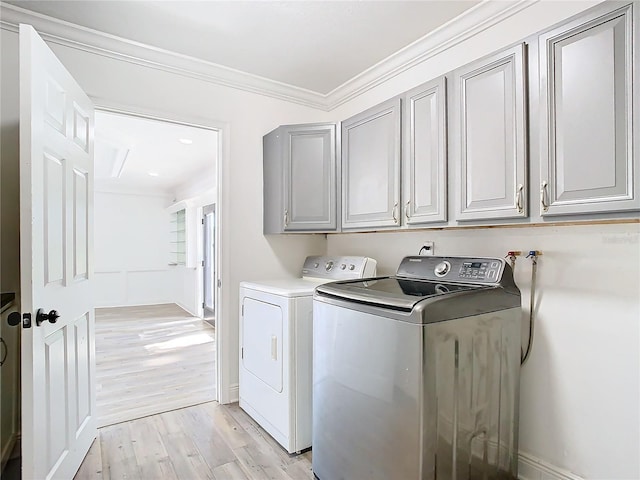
(52, 316)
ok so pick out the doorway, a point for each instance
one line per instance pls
(209, 262)
(154, 177)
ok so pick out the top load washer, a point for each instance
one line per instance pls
(276, 346)
(416, 376)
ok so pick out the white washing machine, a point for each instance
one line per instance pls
(276, 346)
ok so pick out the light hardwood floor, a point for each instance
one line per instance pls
(206, 441)
(151, 359)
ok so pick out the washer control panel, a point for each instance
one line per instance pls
(339, 268)
(480, 270)
(454, 269)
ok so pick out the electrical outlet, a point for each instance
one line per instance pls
(427, 248)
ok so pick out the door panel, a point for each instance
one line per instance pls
(56, 224)
(310, 177)
(424, 161)
(371, 167)
(489, 140)
(57, 383)
(587, 156)
(54, 218)
(262, 341)
(80, 222)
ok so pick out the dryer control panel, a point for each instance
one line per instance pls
(338, 268)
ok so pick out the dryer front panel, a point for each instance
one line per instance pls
(262, 341)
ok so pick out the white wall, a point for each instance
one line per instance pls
(132, 250)
(581, 387)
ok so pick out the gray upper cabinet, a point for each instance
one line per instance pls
(300, 179)
(488, 143)
(371, 168)
(424, 154)
(588, 164)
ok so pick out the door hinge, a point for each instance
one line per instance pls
(202, 221)
(241, 352)
(202, 304)
(219, 283)
(202, 263)
(242, 311)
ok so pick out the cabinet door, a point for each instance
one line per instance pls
(424, 154)
(310, 178)
(371, 168)
(586, 93)
(488, 143)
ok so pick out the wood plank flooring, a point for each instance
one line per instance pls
(206, 441)
(151, 359)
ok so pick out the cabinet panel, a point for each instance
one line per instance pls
(424, 161)
(300, 179)
(310, 177)
(489, 147)
(587, 163)
(371, 167)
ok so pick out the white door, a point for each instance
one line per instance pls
(56, 244)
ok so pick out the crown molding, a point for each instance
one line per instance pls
(459, 29)
(92, 41)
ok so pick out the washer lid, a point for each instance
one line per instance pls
(393, 292)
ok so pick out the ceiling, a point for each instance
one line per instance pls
(128, 149)
(312, 45)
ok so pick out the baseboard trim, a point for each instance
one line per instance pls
(234, 393)
(533, 468)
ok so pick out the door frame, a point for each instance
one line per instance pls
(223, 360)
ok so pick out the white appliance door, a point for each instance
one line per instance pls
(56, 243)
(262, 342)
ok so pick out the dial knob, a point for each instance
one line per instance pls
(343, 266)
(352, 267)
(328, 266)
(316, 265)
(442, 268)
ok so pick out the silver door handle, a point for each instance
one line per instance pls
(393, 212)
(406, 210)
(519, 199)
(286, 218)
(543, 191)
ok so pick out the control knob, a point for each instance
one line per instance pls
(343, 266)
(352, 267)
(442, 268)
(328, 266)
(316, 265)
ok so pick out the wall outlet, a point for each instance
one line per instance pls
(427, 248)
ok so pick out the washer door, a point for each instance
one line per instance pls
(262, 341)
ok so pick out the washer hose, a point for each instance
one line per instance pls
(534, 265)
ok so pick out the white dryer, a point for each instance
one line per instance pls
(276, 346)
